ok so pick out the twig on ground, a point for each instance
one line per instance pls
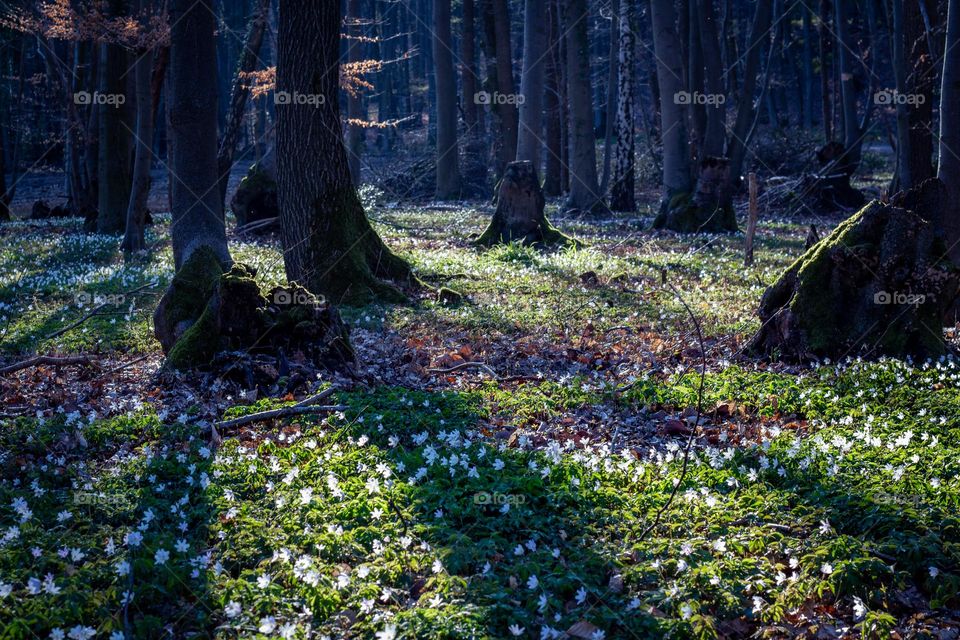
(123, 366)
(315, 399)
(282, 412)
(41, 360)
(464, 365)
(696, 425)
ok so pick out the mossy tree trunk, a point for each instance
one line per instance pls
(880, 284)
(328, 244)
(519, 215)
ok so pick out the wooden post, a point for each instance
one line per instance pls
(751, 219)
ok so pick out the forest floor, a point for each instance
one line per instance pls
(517, 496)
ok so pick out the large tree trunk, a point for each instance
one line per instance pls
(475, 156)
(239, 93)
(115, 139)
(531, 83)
(328, 244)
(622, 191)
(715, 130)
(506, 105)
(948, 162)
(584, 189)
(552, 107)
(673, 128)
(133, 239)
(519, 216)
(448, 151)
(197, 214)
(878, 285)
(183, 321)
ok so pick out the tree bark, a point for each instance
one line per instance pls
(115, 127)
(611, 106)
(673, 129)
(825, 72)
(622, 191)
(505, 106)
(584, 189)
(475, 160)
(239, 93)
(852, 133)
(948, 159)
(448, 150)
(715, 131)
(530, 138)
(197, 214)
(133, 239)
(519, 215)
(329, 246)
(553, 108)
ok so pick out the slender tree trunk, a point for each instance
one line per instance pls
(948, 159)
(695, 81)
(329, 246)
(852, 133)
(448, 150)
(902, 179)
(531, 83)
(115, 139)
(673, 130)
(197, 214)
(610, 114)
(475, 159)
(552, 109)
(505, 86)
(807, 68)
(825, 71)
(715, 131)
(133, 239)
(239, 93)
(584, 189)
(355, 114)
(622, 192)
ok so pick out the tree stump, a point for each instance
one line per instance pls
(707, 210)
(208, 310)
(519, 216)
(256, 198)
(880, 284)
(830, 190)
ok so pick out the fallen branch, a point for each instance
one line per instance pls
(123, 366)
(256, 225)
(315, 399)
(464, 365)
(272, 414)
(42, 360)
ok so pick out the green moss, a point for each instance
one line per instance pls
(192, 287)
(198, 344)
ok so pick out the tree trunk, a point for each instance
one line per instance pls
(519, 215)
(328, 244)
(825, 67)
(715, 131)
(673, 129)
(552, 110)
(807, 68)
(448, 151)
(622, 191)
(115, 127)
(611, 106)
(531, 83)
(239, 94)
(506, 101)
(475, 157)
(197, 215)
(584, 189)
(133, 239)
(948, 162)
(852, 133)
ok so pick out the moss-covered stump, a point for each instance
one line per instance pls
(880, 284)
(519, 216)
(256, 198)
(208, 310)
(707, 209)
